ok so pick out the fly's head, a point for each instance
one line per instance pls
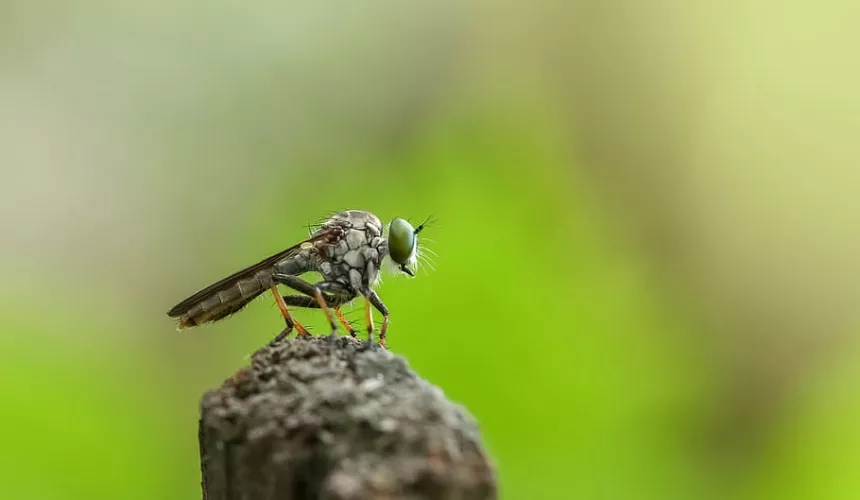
(403, 247)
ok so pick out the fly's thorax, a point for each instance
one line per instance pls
(354, 259)
(356, 219)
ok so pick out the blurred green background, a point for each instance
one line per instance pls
(647, 276)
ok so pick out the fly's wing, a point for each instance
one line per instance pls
(184, 306)
(232, 293)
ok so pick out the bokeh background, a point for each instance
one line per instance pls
(648, 274)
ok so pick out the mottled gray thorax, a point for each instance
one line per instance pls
(355, 257)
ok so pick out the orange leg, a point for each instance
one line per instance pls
(345, 322)
(371, 298)
(383, 331)
(326, 310)
(287, 317)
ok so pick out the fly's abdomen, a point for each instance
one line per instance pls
(226, 301)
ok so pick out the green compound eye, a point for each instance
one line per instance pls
(401, 241)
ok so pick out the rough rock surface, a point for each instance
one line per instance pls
(334, 418)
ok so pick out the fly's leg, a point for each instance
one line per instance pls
(371, 297)
(340, 294)
(306, 288)
(287, 318)
(311, 303)
(301, 301)
(345, 322)
(334, 294)
(368, 319)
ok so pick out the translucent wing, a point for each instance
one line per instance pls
(229, 281)
(232, 293)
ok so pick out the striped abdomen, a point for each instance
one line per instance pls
(230, 298)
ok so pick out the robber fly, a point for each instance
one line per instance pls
(347, 249)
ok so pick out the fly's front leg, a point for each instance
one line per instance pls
(306, 288)
(373, 298)
(368, 319)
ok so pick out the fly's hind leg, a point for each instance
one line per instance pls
(288, 319)
(306, 288)
(333, 301)
(301, 301)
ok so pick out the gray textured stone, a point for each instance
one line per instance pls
(337, 419)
